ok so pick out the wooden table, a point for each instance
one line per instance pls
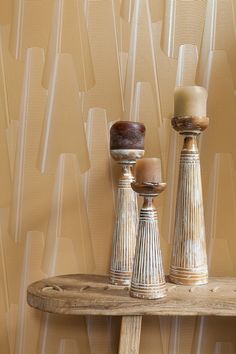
(79, 294)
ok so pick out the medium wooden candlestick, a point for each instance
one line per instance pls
(148, 280)
(126, 146)
(189, 260)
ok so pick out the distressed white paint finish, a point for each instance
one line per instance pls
(125, 229)
(189, 260)
(148, 280)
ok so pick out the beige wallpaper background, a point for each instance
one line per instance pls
(68, 69)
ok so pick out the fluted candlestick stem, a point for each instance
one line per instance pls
(148, 280)
(125, 229)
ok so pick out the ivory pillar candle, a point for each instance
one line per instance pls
(190, 101)
(148, 170)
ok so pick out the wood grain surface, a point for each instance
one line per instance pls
(130, 334)
(92, 294)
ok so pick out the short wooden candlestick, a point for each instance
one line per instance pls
(148, 280)
(189, 259)
(125, 230)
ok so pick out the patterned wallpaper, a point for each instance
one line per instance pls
(68, 69)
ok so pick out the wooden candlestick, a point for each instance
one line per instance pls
(126, 146)
(189, 260)
(148, 279)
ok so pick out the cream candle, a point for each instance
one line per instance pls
(190, 101)
(148, 170)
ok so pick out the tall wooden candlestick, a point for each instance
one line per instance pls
(148, 280)
(126, 146)
(189, 260)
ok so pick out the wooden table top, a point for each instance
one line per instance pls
(79, 294)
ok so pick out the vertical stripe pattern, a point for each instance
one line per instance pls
(189, 260)
(148, 280)
(124, 237)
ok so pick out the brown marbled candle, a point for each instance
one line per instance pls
(127, 135)
(148, 170)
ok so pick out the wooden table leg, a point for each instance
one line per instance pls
(130, 334)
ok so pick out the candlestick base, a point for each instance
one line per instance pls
(148, 292)
(191, 276)
(120, 277)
